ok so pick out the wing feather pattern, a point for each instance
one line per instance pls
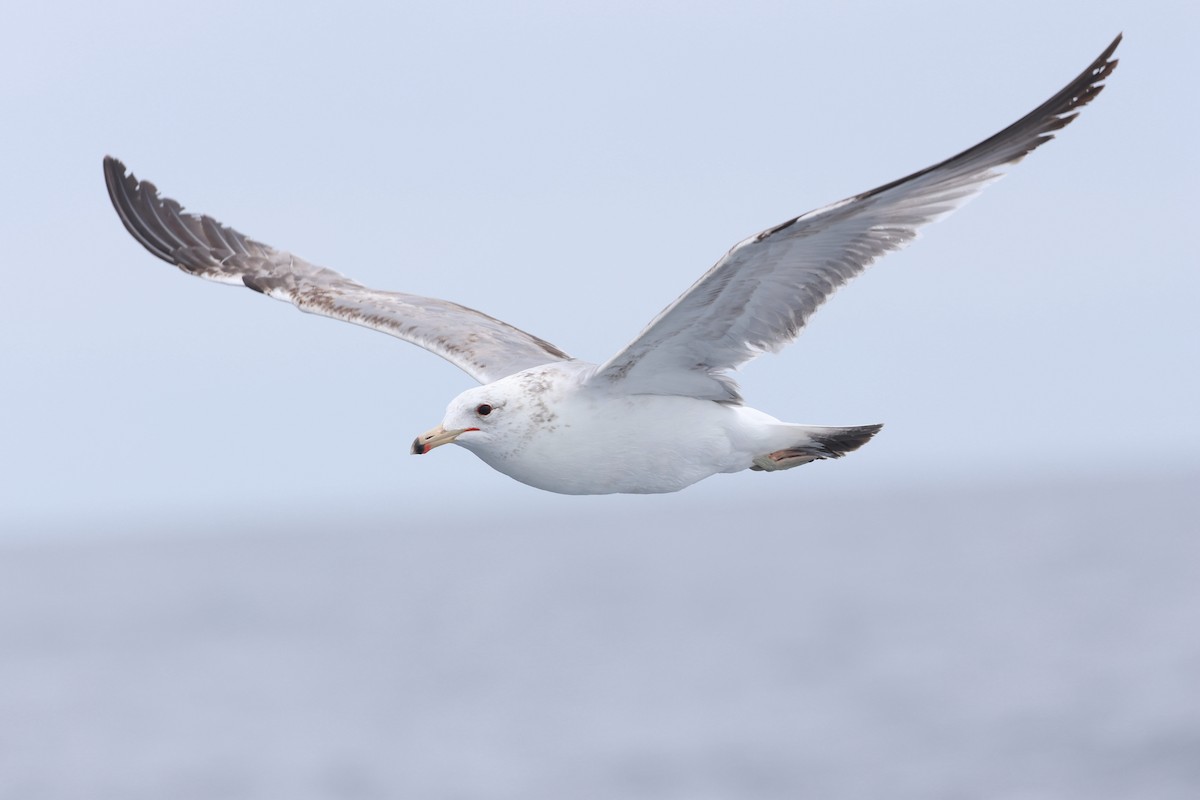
(482, 346)
(759, 296)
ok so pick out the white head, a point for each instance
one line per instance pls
(476, 415)
(499, 418)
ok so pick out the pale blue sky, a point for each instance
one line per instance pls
(572, 169)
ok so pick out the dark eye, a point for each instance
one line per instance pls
(483, 409)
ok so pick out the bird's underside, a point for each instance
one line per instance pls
(757, 298)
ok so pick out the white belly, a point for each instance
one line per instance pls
(641, 444)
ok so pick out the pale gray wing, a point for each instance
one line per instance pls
(759, 296)
(482, 346)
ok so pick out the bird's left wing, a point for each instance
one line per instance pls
(482, 346)
(759, 296)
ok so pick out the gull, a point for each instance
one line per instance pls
(664, 412)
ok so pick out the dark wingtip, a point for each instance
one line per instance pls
(1035, 128)
(125, 190)
(1112, 47)
(113, 166)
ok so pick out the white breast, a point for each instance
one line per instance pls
(581, 441)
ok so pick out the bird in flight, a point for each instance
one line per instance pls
(664, 412)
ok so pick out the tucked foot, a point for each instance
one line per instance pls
(783, 459)
(821, 443)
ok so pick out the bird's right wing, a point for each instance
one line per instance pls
(482, 346)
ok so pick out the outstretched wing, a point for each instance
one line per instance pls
(482, 346)
(759, 296)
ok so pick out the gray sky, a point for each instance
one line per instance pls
(571, 170)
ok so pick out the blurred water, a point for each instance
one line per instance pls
(1015, 642)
